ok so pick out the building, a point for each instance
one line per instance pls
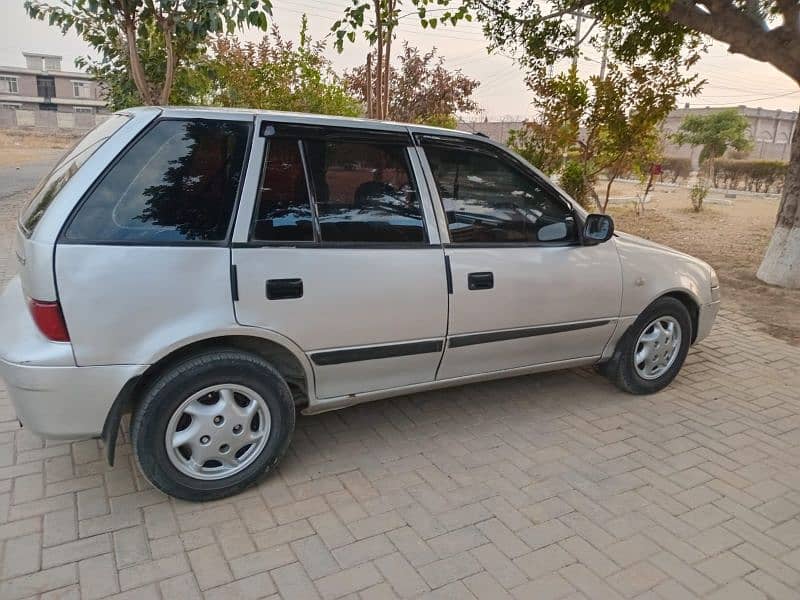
(495, 130)
(770, 130)
(41, 94)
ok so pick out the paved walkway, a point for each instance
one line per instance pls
(550, 486)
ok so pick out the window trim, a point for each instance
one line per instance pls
(223, 243)
(10, 78)
(465, 144)
(257, 203)
(82, 84)
(343, 135)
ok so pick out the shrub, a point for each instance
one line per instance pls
(574, 181)
(750, 175)
(698, 194)
(674, 168)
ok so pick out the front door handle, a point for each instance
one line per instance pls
(480, 281)
(284, 289)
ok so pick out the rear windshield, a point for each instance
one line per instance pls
(49, 187)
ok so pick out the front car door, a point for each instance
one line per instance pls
(524, 290)
(336, 249)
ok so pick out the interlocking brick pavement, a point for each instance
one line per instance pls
(547, 486)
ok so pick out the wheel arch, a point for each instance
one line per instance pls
(692, 306)
(291, 363)
(682, 295)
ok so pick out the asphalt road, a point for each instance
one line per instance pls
(14, 180)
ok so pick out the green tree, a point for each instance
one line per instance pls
(276, 74)
(765, 30)
(380, 33)
(715, 132)
(611, 124)
(192, 84)
(424, 90)
(560, 103)
(121, 31)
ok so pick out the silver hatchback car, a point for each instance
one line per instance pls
(212, 272)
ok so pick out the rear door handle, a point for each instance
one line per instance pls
(480, 281)
(284, 289)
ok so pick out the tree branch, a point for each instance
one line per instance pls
(725, 22)
(169, 75)
(508, 15)
(790, 10)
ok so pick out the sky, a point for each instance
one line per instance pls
(502, 95)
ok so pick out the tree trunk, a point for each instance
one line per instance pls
(387, 76)
(781, 264)
(378, 103)
(611, 179)
(137, 71)
(169, 76)
(369, 85)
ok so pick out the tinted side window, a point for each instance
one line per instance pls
(364, 192)
(283, 212)
(51, 185)
(178, 183)
(488, 200)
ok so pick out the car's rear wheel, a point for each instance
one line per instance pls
(652, 351)
(213, 425)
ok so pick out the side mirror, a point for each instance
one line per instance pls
(597, 229)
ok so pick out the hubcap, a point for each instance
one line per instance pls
(218, 431)
(657, 348)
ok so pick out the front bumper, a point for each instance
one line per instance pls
(64, 402)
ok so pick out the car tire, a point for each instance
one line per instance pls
(650, 337)
(226, 404)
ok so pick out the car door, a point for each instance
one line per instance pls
(339, 256)
(525, 291)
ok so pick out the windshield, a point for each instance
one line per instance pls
(50, 186)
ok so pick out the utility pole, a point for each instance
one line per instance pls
(604, 60)
(578, 20)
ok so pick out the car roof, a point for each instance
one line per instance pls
(300, 118)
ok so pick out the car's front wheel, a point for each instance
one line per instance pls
(213, 425)
(652, 351)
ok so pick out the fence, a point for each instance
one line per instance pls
(14, 118)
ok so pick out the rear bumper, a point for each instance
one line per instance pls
(64, 402)
(705, 320)
(52, 396)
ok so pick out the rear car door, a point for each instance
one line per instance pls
(524, 290)
(333, 249)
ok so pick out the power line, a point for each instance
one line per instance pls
(745, 99)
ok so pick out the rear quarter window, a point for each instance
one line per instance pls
(177, 183)
(67, 167)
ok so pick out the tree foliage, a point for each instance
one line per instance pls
(715, 132)
(378, 20)
(424, 90)
(276, 74)
(122, 32)
(191, 81)
(611, 125)
(540, 32)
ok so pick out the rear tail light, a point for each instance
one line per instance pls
(50, 320)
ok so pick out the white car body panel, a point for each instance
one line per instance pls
(574, 288)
